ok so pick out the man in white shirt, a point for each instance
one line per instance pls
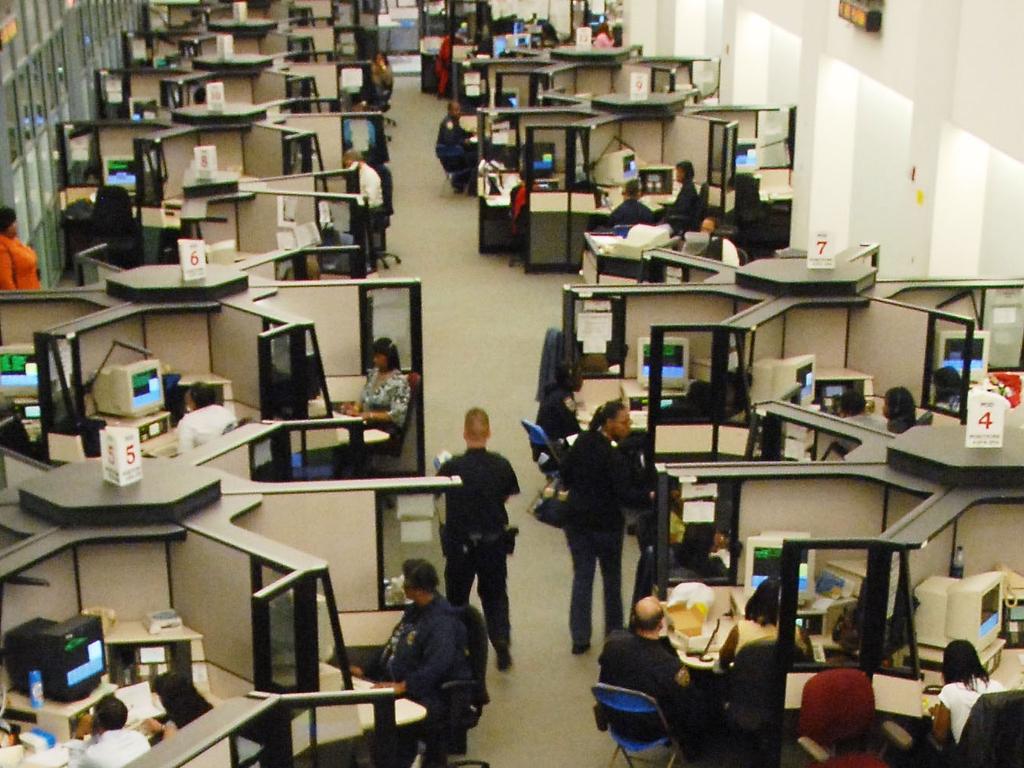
(111, 745)
(369, 180)
(205, 419)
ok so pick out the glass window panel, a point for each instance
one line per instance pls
(11, 120)
(28, 26)
(391, 316)
(408, 530)
(35, 200)
(25, 106)
(46, 168)
(20, 201)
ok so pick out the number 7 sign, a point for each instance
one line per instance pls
(821, 254)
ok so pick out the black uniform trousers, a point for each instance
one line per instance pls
(486, 561)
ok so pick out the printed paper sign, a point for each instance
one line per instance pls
(121, 460)
(240, 11)
(215, 96)
(986, 419)
(225, 46)
(584, 38)
(205, 159)
(639, 85)
(192, 256)
(821, 254)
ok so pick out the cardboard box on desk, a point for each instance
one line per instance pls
(687, 621)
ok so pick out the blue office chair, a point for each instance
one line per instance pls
(543, 447)
(623, 710)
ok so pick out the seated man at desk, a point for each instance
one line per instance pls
(631, 211)
(110, 744)
(204, 419)
(370, 186)
(455, 149)
(426, 650)
(643, 660)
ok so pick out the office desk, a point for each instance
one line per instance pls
(406, 710)
(56, 717)
(241, 62)
(776, 195)
(494, 214)
(234, 113)
(243, 29)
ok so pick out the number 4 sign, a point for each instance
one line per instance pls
(986, 419)
(121, 456)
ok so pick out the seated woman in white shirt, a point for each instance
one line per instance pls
(204, 419)
(965, 681)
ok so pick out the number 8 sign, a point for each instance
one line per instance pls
(192, 256)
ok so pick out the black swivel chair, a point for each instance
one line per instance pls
(113, 224)
(750, 681)
(380, 219)
(466, 699)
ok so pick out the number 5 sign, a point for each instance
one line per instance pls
(121, 457)
(986, 419)
(821, 254)
(192, 255)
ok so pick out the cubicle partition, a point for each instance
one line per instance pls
(339, 131)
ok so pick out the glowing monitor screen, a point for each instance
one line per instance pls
(120, 172)
(834, 390)
(543, 159)
(629, 171)
(500, 44)
(953, 354)
(18, 370)
(675, 362)
(990, 618)
(806, 378)
(93, 664)
(767, 565)
(146, 388)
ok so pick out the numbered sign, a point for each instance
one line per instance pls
(215, 97)
(204, 158)
(192, 256)
(584, 38)
(986, 419)
(121, 457)
(240, 11)
(639, 85)
(225, 46)
(821, 253)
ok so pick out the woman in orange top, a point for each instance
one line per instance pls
(17, 261)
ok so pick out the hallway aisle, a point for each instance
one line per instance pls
(484, 325)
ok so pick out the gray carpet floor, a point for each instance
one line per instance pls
(483, 327)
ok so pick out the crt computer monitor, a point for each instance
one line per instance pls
(763, 555)
(130, 390)
(19, 373)
(69, 655)
(498, 46)
(119, 172)
(959, 609)
(953, 346)
(675, 362)
(543, 159)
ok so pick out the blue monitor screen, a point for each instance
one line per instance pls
(543, 158)
(672, 368)
(747, 159)
(499, 46)
(767, 564)
(18, 370)
(92, 666)
(954, 354)
(989, 624)
(834, 390)
(33, 412)
(146, 388)
(518, 27)
(120, 173)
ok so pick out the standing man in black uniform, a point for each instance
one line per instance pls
(451, 138)
(476, 537)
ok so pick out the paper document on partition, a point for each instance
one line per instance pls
(140, 702)
(351, 79)
(699, 512)
(360, 132)
(594, 329)
(471, 82)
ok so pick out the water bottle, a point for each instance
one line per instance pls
(35, 689)
(956, 570)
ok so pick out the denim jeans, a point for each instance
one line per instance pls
(588, 547)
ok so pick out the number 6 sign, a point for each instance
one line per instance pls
(121, 460)
(192, 256)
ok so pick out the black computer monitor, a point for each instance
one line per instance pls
(69, 655)
(656, 181)
(543, 160)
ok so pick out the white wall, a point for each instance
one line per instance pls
(959, 204)
(1000, 235)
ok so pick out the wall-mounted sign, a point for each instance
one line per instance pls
(866, 14)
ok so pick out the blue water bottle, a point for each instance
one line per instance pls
(35, 689)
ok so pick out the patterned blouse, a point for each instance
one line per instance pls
(386, 392)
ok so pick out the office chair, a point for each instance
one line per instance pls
(624, 713)
(466, 699)
(454, 162)
(112, 223)
(395, 456)
(380, 219)
(750, 692)
(837, 709)
(547, 455)
(993, 737)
